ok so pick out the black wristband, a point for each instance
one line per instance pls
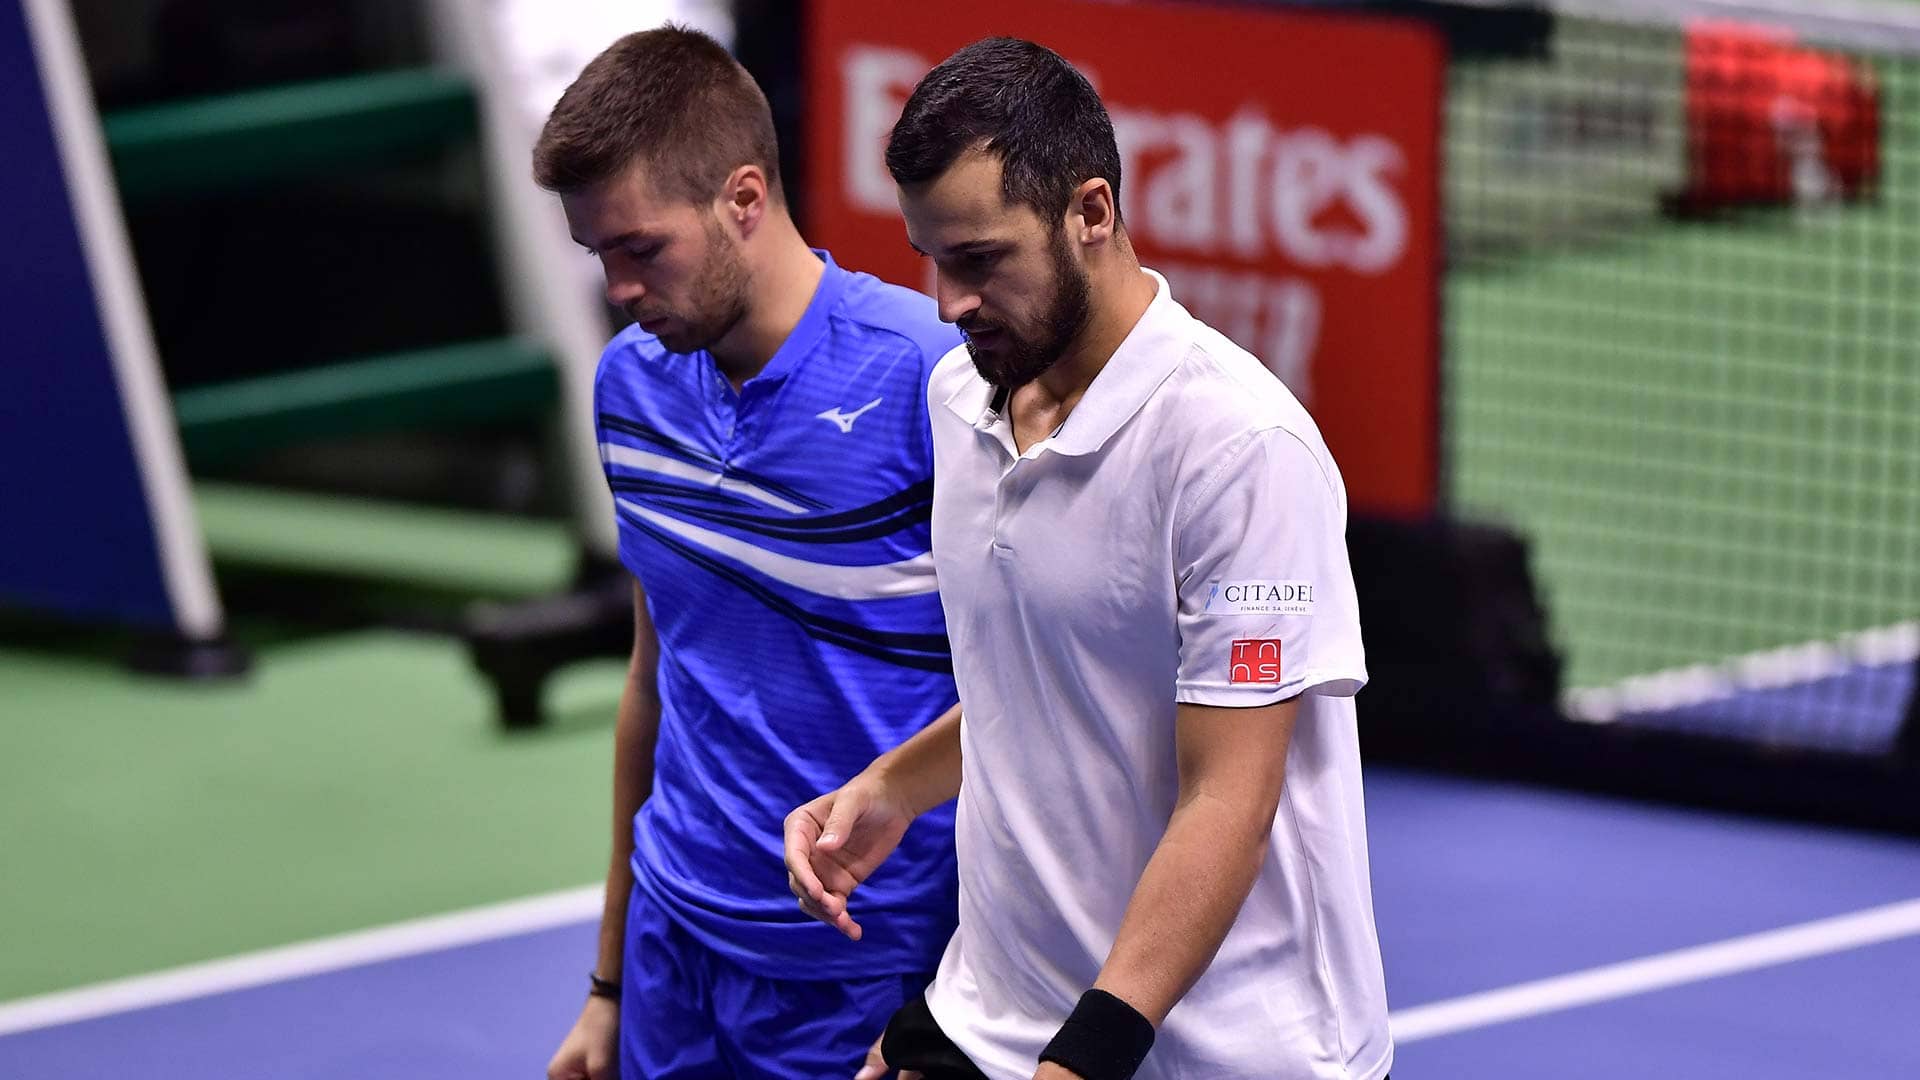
(1104, 1038)
(599, 987)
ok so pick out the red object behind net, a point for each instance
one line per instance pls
(1770, 121)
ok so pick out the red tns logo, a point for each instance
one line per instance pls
(1255, 660)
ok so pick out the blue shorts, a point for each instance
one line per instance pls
(687, 1013)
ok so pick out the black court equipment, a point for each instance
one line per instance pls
(517, 646)
(1453, 623)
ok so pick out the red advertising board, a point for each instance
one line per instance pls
(1281, 168)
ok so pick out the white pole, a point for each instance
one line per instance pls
(123, 318)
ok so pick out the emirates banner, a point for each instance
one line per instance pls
(1281, 168)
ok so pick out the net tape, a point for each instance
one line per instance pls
(1866, 25)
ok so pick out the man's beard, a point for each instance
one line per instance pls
(720, 293)
(1018, 360)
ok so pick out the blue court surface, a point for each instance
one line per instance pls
(1528, 934)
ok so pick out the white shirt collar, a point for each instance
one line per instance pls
(1146, 356)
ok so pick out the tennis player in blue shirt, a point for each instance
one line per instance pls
(764, 430)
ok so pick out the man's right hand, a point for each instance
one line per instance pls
(591, 1051)
(837, 841)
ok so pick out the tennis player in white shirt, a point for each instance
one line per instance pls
(1139, 538)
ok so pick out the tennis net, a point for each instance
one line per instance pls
(1683, 354)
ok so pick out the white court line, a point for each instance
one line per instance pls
(1658, 972)
(307, 958)
(1768, 669)
(578, 905)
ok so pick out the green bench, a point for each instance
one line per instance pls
(262, 138)
(446, 386)
(259, 138)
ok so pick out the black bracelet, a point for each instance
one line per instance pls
(1104, 1038)
(599, 987)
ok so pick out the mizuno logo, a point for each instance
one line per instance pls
(846, 419)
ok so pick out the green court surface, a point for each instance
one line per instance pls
(475, 554)
(1694, 491)
(350, 780)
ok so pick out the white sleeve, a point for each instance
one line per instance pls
(1267, 607)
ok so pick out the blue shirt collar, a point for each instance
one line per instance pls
(812, 325)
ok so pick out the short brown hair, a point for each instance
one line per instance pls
(1024, 104)
(671, 98)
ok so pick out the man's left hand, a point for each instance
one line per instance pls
(1051, 1071)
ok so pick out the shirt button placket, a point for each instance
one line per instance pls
(727, 403)
(1006, 500)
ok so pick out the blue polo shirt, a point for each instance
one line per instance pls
(781, 536)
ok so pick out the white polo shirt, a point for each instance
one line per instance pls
(1181, 538)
